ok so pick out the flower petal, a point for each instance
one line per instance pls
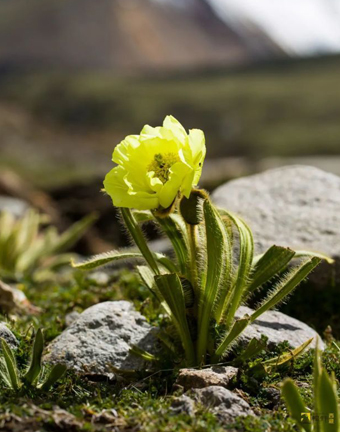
(116, 186)
(170, 189)
(197, 145)
(176, 129)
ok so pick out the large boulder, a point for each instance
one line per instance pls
(295, 206)
(278, 327)
(101, 338)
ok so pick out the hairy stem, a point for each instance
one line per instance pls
(138, 237)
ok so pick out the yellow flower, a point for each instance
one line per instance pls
(155, 165)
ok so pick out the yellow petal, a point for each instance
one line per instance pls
(176, 129)
(170, 189)
(116, 186)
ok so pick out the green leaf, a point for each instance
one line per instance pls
(246, 243)
(295, 404)
(4, 376)
(254, 347)
(167, 263)
(73, 234)
(106, 258)
(55, 374)
(304, 253)
(316, 376)
(217, 258)
(286, 358)
(268, 265)
(171, 289)
(11, 366)
(139, 239)
(174, 231)
(142, 216)
(328, 402)
(148, 278)
(237, 328)
(145, 355)
(286, 286)
(37, 351)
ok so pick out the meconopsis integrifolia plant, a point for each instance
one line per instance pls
(213, 269)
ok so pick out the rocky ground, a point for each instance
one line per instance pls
(92, 319)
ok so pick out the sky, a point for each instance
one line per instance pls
(299, 26)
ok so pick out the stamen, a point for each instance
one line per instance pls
(161, 165)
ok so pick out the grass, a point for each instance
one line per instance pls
(94, 404)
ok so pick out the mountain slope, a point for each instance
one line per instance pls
(122, 35)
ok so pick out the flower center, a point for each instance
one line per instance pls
(161, 165)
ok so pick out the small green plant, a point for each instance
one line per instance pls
(28, 251)
(34, 376)
(324, 415)
(215, 270)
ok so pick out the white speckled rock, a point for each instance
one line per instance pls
(226, 405)
(101, 337)
(295, 206)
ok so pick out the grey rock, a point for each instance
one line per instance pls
(15, 206)
(161, 245)
(101, 338)
(223, 403)
(71, 317)
(183, 404)
(5, 333)
(295, 206)
(273, 395)
(278, 327)
(100, 278)
(200, 378)
(226, 405)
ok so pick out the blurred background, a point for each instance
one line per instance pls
(260, 77)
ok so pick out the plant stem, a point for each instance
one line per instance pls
(138, 237)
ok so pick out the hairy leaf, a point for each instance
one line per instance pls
(286, 286)
(217, 257)
(171, 289)
(237, 328)
(106, 258)
(242, 276)
(176, 235)
(268, 265)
